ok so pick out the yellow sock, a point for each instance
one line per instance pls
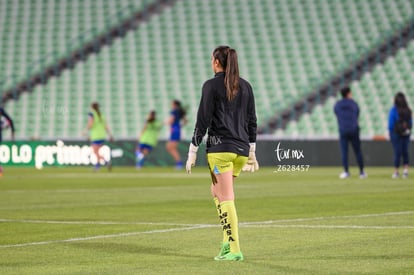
(218, 208)
(217, 203)
(230, 224)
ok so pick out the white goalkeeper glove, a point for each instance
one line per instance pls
(252, 164)
(192, 156)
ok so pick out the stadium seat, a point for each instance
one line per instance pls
(286, 48)
(374, 94)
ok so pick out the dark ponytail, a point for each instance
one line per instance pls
(227, 58)
(401, 104)
(95, 106)
(231, 80)
(180, 109)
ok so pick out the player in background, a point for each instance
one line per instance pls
(399, 126)
(148, 138)
(98, 133)
(6, 122)
(227, 110)
(347, 114)
(176, 120)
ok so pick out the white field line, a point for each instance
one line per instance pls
(335, 217)
(126, 234)
(327, 226)
(200, 226)
(105, 236)
(115, 175)
(99, 222)
(183, 224)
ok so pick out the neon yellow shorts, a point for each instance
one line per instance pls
(219, 163)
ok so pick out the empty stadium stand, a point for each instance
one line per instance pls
(374, 93)
(287, 48)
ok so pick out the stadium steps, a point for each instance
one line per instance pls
(353, 72)
(79, 28)
(374, 92)
(67, 23)
(286, 49)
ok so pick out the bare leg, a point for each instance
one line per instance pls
(171, 147)
(145, 151)
(140, 157)
(223, 189)
(95, 148)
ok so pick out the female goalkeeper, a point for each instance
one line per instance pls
(227, 111)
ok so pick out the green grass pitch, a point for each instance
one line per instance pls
(162, 221)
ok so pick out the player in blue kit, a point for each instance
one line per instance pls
(176, 120)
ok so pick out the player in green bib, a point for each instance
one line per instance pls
(98, 132)
(148, 138)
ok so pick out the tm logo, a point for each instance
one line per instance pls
(282, 153)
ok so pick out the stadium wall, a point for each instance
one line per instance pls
(281, 154)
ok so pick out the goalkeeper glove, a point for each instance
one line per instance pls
(192, 156)
(252, 164)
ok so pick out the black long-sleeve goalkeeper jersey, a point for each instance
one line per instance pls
(231, 125)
